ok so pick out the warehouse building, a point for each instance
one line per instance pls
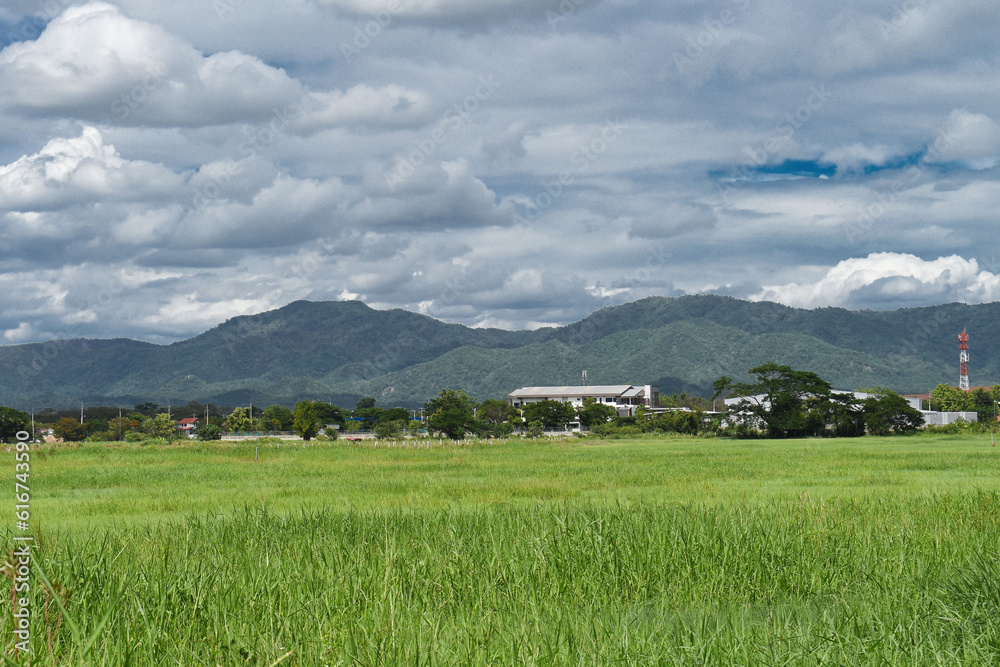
(624, 398)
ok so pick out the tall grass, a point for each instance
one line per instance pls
(797, 581)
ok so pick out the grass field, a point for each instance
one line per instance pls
(651, 551)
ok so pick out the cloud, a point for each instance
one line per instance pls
(890, 278)
(235, 156)
(285, 212)
(448, 10)
(445, 196)
(79, 170)
(386, 107)
(972, 138)
(674, 219)
(95, 63)
(856, 157)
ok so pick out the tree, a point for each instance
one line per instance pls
(389, 428)
(147, 409)
(888, 412)
(784, 401)
(277, 418)
(11, 422)
(592, 413)
(495, 411)
(70, 430)
(981, 401)
(239, 420)
(723, 386)
(160, 426)
(846, 416)
(304, 420)
(366, 412)
(678, 421)
(552, 414)
(394, 415)
(208, 432)
(328, 413)
(945, 398)
(367, 417)
(119, 426)
(451, 413)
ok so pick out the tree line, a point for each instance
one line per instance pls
(945, 398)
(779, 402)
(452, 413)
(785, 403)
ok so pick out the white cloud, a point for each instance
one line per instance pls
(888, 277)
(78, 169)
(856, 156)
(94, 62)
(969, 137)
(441, 197)
(389, 106)
(440, 9)
(193, 311)
(23, 333)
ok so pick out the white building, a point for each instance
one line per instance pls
(945, 418)
(624, 398)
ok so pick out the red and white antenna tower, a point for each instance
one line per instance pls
(963, 358)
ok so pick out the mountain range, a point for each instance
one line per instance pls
(340, 351)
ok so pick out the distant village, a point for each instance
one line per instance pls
(807, 406)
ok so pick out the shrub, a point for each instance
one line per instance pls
(616, 431)
(208, 432)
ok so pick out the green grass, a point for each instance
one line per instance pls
(654, 551)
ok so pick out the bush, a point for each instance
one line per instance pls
(389, 428)
(206, 432)
(616, 431)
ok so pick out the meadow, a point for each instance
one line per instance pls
(672, 550)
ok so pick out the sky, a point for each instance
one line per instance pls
(165, 166)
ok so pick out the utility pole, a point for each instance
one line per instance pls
(963, 360)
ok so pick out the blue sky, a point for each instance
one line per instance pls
(167, 165)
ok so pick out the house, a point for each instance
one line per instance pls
(624, 398)
(187, 426)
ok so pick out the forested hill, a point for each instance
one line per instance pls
(340, 351)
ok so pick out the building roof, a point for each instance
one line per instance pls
(569, 391)
(188, 420)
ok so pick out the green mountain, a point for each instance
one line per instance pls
(340, 351)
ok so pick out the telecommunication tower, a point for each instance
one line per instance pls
(963, 359)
